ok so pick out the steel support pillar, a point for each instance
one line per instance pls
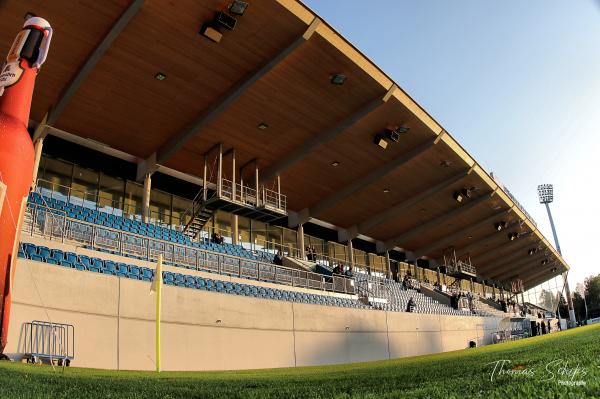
(146, 198)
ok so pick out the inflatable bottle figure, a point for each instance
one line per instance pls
(17, 80)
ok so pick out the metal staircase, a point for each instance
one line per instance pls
(233, 195)
(198, 215)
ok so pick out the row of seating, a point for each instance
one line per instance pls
(143, 229)
(397, 297)
(83, 262)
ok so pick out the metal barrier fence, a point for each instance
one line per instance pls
(46, 340)
(55, 225)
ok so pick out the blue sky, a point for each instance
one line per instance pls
(517, 83)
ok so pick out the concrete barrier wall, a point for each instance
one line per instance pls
(114, 325)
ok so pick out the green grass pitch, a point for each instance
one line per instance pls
(559, 365)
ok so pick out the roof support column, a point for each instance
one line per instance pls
(146, 198)
(220, 171)
(256, 185)
(300, 241)
(233, 181)
(350, 254)
(388, 264)
(37, 148)
(235, 235)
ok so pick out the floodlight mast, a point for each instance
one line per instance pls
(546, 196)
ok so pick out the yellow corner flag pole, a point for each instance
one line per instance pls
(158, 287)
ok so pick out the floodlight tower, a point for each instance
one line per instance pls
(546, 195)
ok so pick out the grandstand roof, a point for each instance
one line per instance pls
(98, 87)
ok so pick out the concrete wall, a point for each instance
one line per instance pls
(114, 325)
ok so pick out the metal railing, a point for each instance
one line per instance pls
(46, 340)
(55, 225)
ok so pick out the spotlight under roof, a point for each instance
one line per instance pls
(513, 236)
(263, 126)
(338, 79)
(160, 76)
(500, 225)
(211, 32)
(238, 7)
(335, 163)
(225, 20)
(458, 197)
(380, 141)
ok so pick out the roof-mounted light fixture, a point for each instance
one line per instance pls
(338, 79)
(238, 7)
(380, 141)
(500, 225)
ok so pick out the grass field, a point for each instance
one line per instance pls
(538, 367)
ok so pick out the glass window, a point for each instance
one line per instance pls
(274, 235)
(110, 197)
(160, 207)
(289, 241)
(180, 206)
(133, 199)
(85, 187)
(223, 225)
(244, 232)
(56, 180)
(258, 235)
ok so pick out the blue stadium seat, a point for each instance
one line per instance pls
(57, 255)
(30, 250)
(147, 274)
(135, 272)
(122, 269)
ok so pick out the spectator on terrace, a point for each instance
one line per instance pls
(336, 269)
(537, 328)
(278, 259)
(549, 326)
(559, 326)
(217, 238)
(349, 271)
(411, 305)
(308, 253)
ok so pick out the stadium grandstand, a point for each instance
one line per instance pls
(307, 209)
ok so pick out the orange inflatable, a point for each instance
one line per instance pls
(17, 80)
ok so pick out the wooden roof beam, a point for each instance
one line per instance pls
(288, 160)
(89, 64)
(519, 244)
(391, 243)
(540, 279)
(394, 211)
(486, 240)
(176, 142)
(357, 185)
(449, 239)
(512, 266)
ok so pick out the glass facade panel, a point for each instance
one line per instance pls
(85, 187)
(110, 197)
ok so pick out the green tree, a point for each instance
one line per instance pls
(562, 306)
(592, 291)
(579, 306)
